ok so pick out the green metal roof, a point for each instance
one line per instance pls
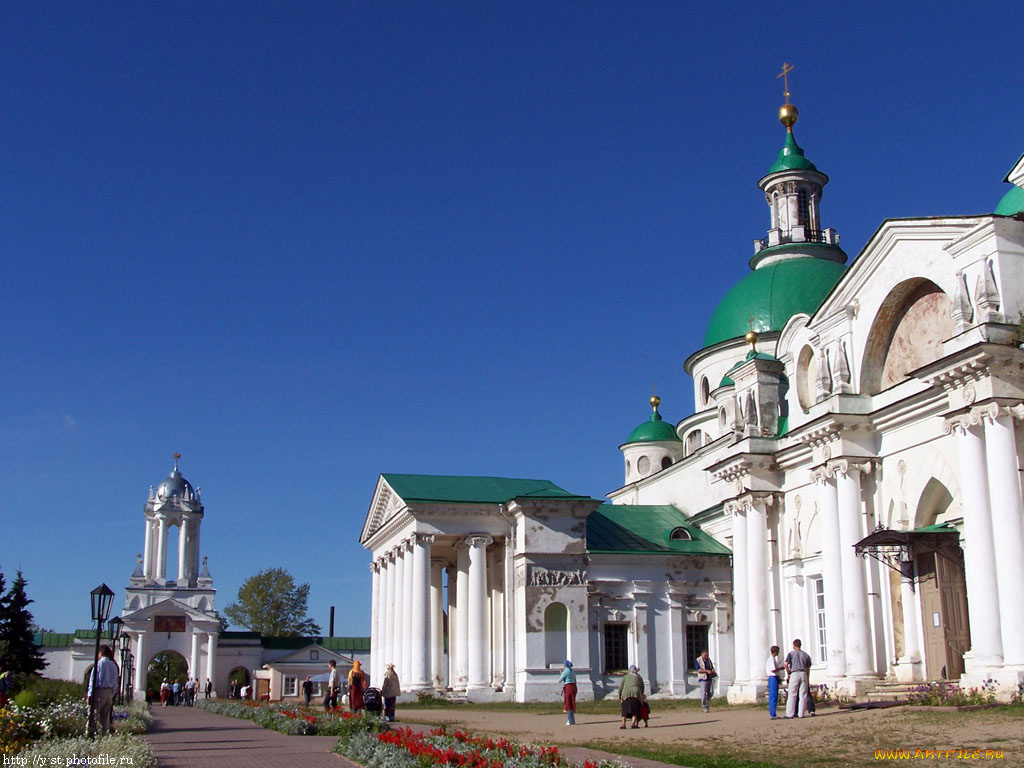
(1012, 203)
(345, 643)
(937, 528)
(645, 529)
(653, 430)
(772, 294)
(469, 490)
(56, 639)
(791, 157)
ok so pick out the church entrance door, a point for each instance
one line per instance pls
(943, 589)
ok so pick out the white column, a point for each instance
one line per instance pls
(193, 668)
(478, 624)
(389, 610)
(375, 635)
(408, 640)
(1007, 512)
(147, 561)
(141, 665)
(183, 552)
(400, 626)
(832, 576)
(211, 661)
(857, 622)
(436, 624)
(740, 601)
(757, 585)
(979, 550)
(677, 633)
(462, 616)
(420, 635)
(641, 626)
(911, 616)
(161, 548)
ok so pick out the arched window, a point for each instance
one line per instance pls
(666, 462)
(680, 534)
(556, 634)
(803, 208)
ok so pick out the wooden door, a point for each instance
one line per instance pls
(943, 612)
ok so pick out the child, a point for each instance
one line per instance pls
(645, 711)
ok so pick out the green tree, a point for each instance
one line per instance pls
(270, 603)
(166, 665)
(17, 640)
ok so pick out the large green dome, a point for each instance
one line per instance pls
(772, 294)
(1012, 203)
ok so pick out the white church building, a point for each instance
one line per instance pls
(850, 475)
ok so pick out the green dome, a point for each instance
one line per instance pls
(1012, 203)
(772, 295)
(791, 157)
(653, 430)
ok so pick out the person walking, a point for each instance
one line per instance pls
(631, 694)
(772, 668)
(706, 674)
(568, 681)
(798, 665)
(390, 690)
(356, 684)
(102, 695)
(209, 687)
(307, 690)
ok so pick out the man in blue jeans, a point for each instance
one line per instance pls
(772, 667)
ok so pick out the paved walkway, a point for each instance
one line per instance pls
(188, 737)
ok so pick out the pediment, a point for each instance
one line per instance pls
(303, 656)
(385, 505)
(169, 607)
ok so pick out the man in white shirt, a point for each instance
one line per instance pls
(105, 680)
(772, 668)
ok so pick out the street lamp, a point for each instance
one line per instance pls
(101, 598)
(126, 645)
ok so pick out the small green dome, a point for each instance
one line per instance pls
(771, 295)
(654, 429)
(791, 157)
(1012, 203)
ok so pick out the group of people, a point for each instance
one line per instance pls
(797, 665)
(359, 697)
(176, 693)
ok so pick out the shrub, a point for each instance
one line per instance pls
(16, 730)
(121, 749)
(26, 699)
(52, 691)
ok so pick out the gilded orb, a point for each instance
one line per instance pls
(655, 401)
(752, 338)
(788, 115)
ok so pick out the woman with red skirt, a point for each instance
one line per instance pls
(568, 681)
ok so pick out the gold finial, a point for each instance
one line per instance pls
(139, 558)
(655, 402)
(788, 114)
(751, 335)
(176, 457)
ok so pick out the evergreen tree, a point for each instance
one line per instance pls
(17, 641)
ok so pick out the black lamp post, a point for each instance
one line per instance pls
(102, 598)
(114, 627)
(126, 644)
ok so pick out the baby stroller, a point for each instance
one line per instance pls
(373, 701)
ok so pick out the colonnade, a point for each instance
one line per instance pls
(847, 617)
(155, 548)
(408, 614)
(991, 492)
(751, 576)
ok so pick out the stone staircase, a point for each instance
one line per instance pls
(890, 691)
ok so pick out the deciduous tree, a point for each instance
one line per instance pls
(270, 603)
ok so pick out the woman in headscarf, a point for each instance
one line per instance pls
(390, 691)
(568, 681)
(356, 683)
(631, 694)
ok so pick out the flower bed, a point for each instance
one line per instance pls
(294, 720)
(121, 749)
(56, 730)
(404, 748)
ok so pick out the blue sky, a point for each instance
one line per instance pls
(304, 244)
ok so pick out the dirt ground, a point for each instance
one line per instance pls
(832, 738)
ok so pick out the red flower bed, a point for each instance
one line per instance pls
(483, 753)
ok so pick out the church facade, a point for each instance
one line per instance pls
(850, 475)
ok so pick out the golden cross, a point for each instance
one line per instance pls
(751, 321)
(786, 69)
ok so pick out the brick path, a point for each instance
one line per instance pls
(188, 737)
